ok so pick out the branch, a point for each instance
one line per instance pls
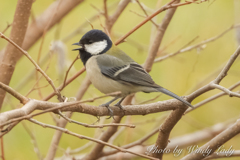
(227, 91)
(80, 29)
(36, 28)
(88, 138)
(106, 12)
(217, 155)
(158, 38)
(167, 126)
(181, 141)
(163, 8)
(96, 111)
(65, 79)
(34, 63)
(68, 81)
(227, 66)
(189, 48)
(94, 126)
(83, 69)
(8, 26)
(133, 144)
(212, 98)
(94, 154)
(35, 104)
(65, 39)
(48, 104)
(108, 134)
(34, 141)
(15, 94)
(98, 148)
(56, 138)
(222, 74)
(145, 12)
(197, 136)
(8, 129)
(40, 49)
(11, 55)
(110, 20)
(216, 142)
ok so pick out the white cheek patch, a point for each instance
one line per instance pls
(96, 47)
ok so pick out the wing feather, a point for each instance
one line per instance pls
(131, 72)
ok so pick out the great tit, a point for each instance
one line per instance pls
(111, 70)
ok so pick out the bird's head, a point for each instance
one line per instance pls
(94, 42)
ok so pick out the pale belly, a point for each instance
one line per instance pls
(105, 84)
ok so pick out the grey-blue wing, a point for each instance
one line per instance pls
(131, 73)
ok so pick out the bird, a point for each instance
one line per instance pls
(110, 69)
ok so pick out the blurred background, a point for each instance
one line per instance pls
(181, 74)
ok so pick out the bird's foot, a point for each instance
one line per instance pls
(120, 107)
(109, 110)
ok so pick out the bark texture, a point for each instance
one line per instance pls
(11, 54)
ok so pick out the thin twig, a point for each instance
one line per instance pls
(145, 12)
(212, 98)
(118, 132)
(2, 149)
(227, 66)
(89, 23)
(150, 100)
(77, 150)
(88, 138)
(8, 26)
(106, 12)
(163, 8)
(189, 48)
(65, 79)
(34, 141)
(8, 129)
(137, 14)
(130, 145)
(227, 91)
(167, 45)
(41, 45)
(36, 83)
(112, 19)
(36, 88)
(68, 81)
(95, 126)
(158, 37)
(219, 155)
(10, 55)
(97, 9)
(82, 26)
(15, 94)
(62, 123)
(34, 63)
(216, 142)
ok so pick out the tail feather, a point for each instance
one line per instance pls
(167, 92)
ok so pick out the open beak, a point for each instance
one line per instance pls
(77, 45)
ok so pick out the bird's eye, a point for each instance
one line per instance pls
(90, 41)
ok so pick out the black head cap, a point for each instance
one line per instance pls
(95, 35)
(94, 42)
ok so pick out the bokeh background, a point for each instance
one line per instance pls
(181, 74)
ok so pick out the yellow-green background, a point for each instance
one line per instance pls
(179, 74)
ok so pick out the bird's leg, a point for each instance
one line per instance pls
(107, 105)
(118, 104)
